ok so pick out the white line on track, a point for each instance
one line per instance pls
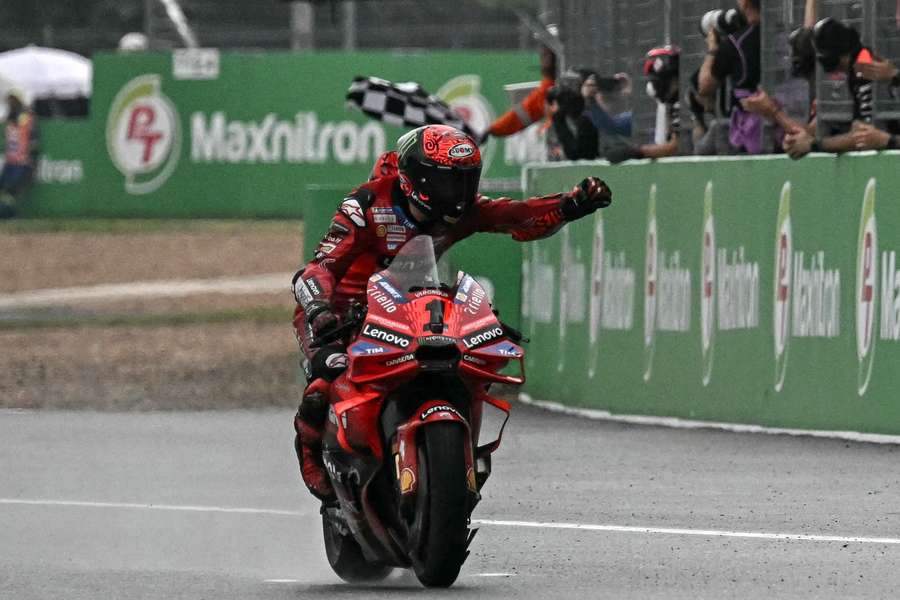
(676, 423)
(487, 522)
(253, 284)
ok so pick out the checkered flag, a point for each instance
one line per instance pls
(402, 104)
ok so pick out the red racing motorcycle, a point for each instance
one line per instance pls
(407, 442)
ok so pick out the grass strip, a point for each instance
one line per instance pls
(258, 315)
(131, 226)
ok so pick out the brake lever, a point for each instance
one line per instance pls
(514, 334)
(356, 314)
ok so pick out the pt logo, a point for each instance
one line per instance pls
(595, 314)
(143, 134)
(782, 312)
(708, 285)
(651, 272)
(866, 288)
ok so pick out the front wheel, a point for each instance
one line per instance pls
(346, 557)
(443, 505)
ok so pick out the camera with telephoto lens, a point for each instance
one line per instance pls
(567, 93)
(723, 22)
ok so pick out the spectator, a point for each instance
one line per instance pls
(661, 68)
(803, 66)
(531, 109)
(733, 56)
(839, 49)
(606, 105)
(21, 150)
(571, 134)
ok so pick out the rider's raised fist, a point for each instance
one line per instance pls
(589, 195)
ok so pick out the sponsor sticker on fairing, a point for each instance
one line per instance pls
(436, 340)
(440, 408)
(388, 336)
(482, 337)
(399, 360)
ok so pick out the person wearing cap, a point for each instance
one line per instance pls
(661, 67)
(839, 49)
(20, 150)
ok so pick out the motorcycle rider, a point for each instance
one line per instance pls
(428, 186)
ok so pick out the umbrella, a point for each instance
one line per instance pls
(47, 72)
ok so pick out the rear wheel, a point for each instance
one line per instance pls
(443, 507)
(346, 557)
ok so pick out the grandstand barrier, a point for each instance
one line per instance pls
(743, 290)
(244, 134)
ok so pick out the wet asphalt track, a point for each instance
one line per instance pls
(551, 468)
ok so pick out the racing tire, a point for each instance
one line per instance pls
(346, 557)
(443, 505)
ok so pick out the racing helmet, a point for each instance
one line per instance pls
(661, 69)
(440, 167)
(803, 52)
(832, 40)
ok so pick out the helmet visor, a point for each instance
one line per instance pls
(448, 190)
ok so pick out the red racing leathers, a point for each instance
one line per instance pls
(368, 229)
(372, 224)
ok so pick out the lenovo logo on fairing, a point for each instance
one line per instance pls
(484, 336)
(386, 335)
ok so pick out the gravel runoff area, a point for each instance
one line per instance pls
(206, 351)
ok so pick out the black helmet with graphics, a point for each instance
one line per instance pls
(440, 167)
(834, 40)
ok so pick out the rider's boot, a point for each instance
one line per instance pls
(309, 425)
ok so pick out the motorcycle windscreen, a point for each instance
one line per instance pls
(415, 266)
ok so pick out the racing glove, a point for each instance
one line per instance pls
(589, 195)
(321, 320)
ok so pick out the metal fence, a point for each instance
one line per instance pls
(613, 35)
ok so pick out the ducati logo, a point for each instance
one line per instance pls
(595, 314)
(866, 288)
(651, 261)
(708, 285)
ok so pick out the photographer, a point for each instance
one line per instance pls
(733, 56)
(803, 66)
(839, 49)
(571, 135)
(661, 66)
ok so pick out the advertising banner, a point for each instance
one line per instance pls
(752, 290)
(243, 135)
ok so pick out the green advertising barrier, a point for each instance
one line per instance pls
(495, 260)
(759, 291)
(244, 134)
